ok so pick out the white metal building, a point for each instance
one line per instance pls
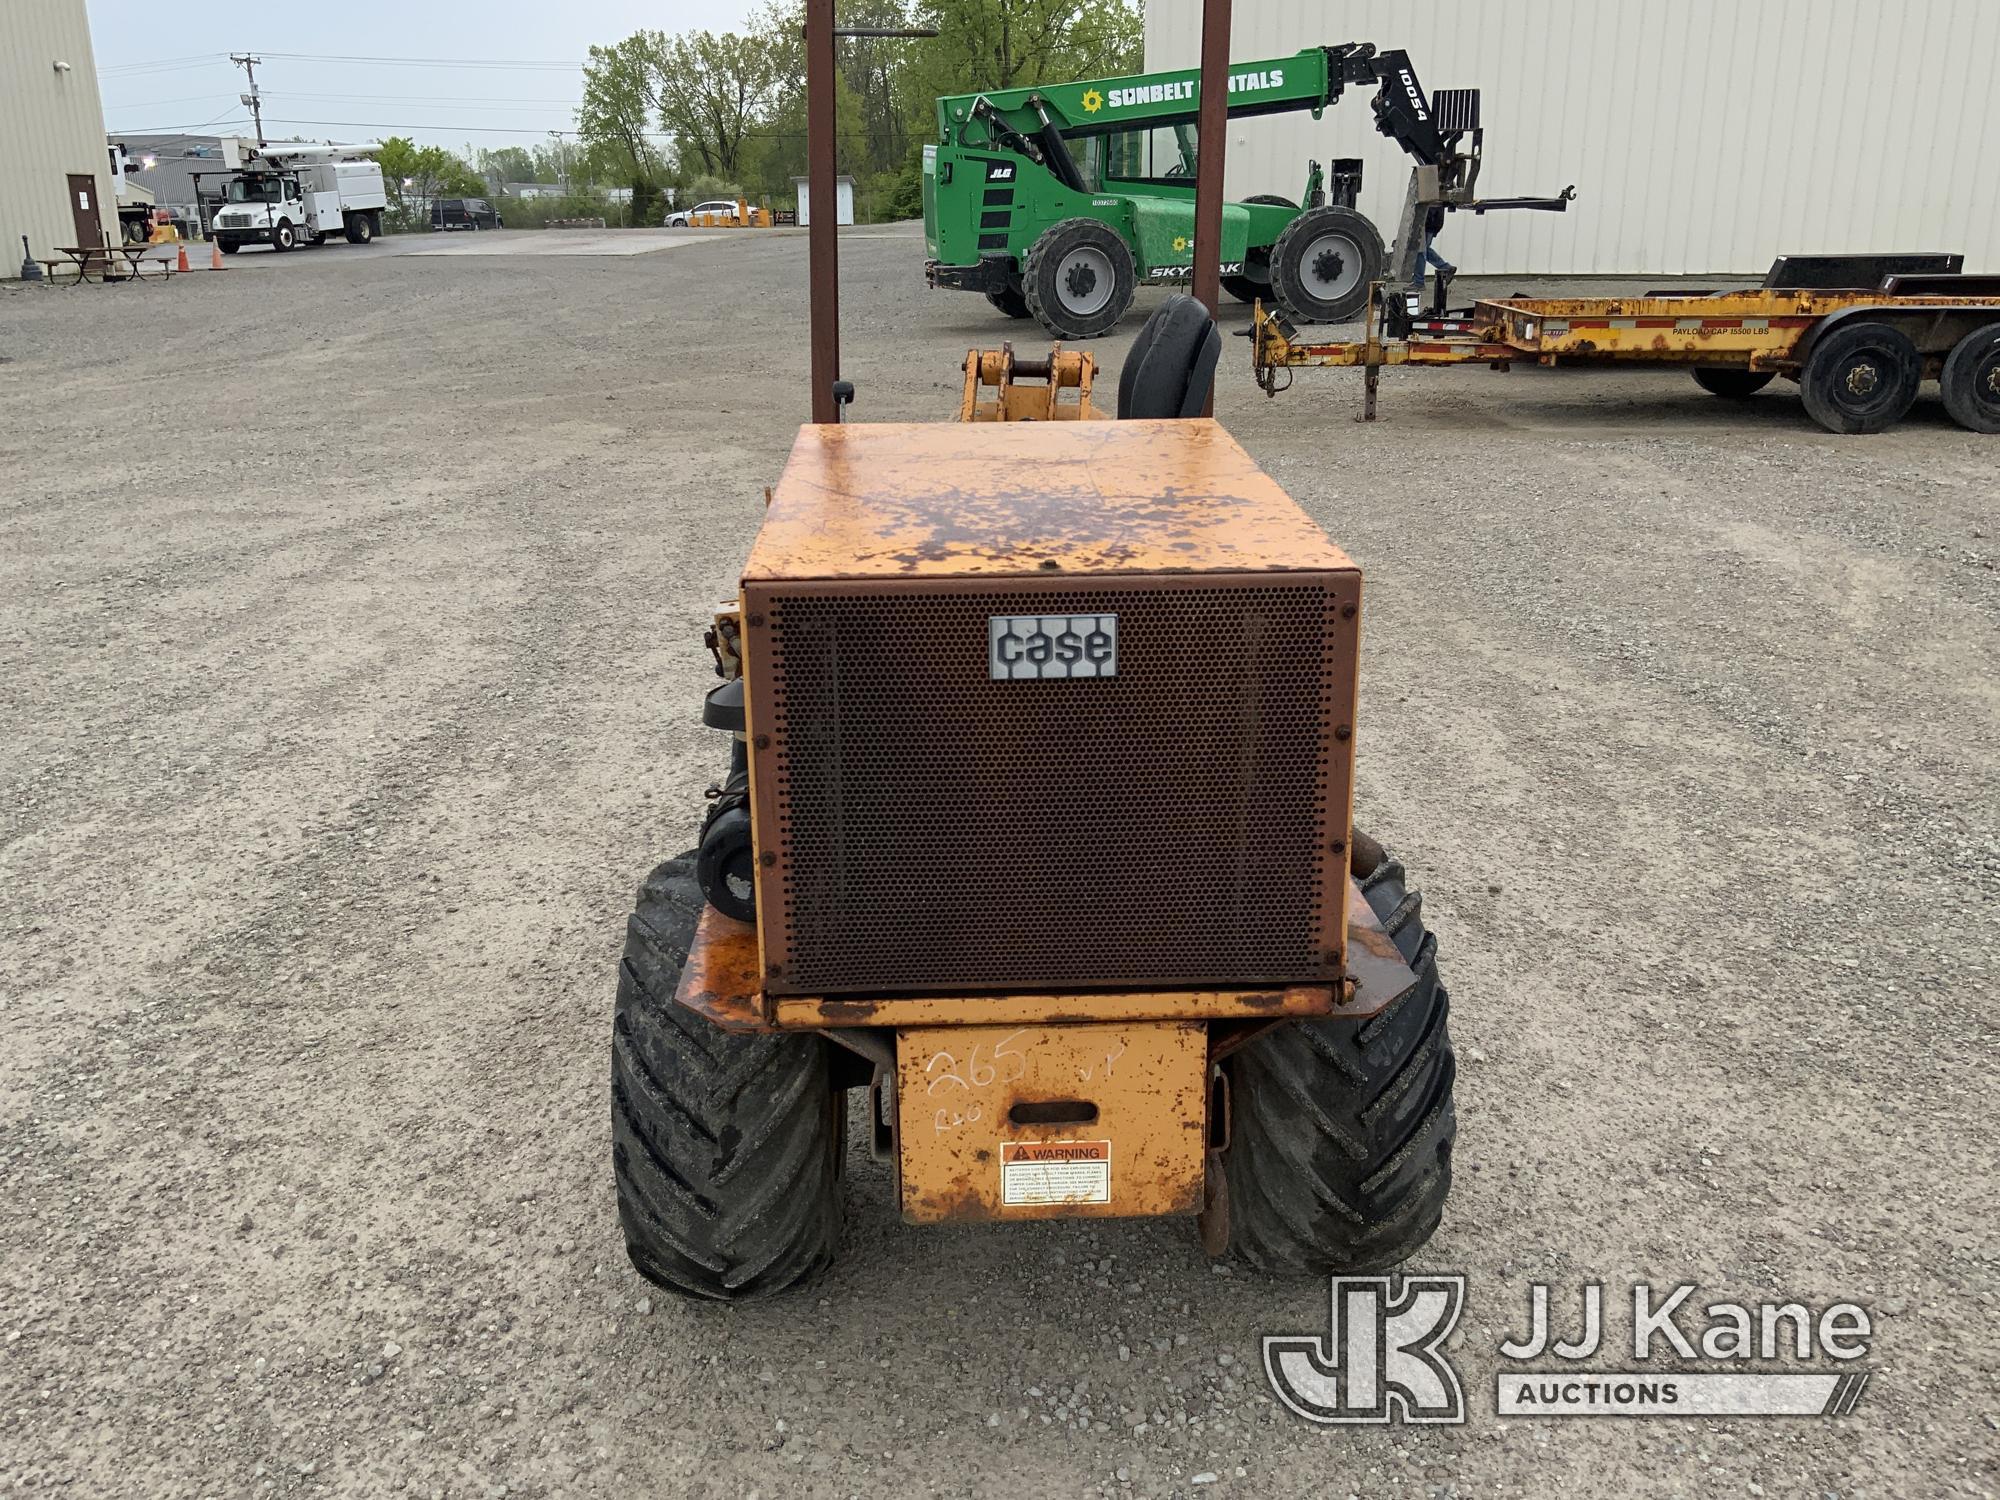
(55, 172)
(1702, 135)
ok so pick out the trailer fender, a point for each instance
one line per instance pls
(1933, 327)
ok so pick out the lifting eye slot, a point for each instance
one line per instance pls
(1054, 1112)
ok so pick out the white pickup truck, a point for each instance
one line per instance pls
(285, 195)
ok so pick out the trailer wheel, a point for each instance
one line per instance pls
(1734, 383)
(1971, 380)
(358, 230)
(1322, 264)
(725, 1146)
(1861, 377)
(1009, 300)
(1339, 1158)
(284, 236)
(1078, 280)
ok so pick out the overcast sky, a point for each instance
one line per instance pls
(166, 66)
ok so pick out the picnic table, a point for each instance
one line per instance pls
(82, 260)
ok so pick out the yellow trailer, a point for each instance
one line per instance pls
(1858, 354)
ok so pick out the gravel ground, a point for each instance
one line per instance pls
(349, 661)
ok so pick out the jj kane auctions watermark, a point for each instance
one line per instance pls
(1384, 1356)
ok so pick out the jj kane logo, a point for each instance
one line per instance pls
(1383, 1358)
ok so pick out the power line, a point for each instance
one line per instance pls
(421, 62)
(161, 65)
(176, 129)
(440, 129)
(454, 101)
(184, 99)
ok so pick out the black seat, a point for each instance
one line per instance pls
(1171, 368)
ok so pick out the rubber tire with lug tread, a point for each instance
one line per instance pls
(358, 230)
(1339, 1159)
(1244, 289)
(1970, 380)
(1289, 271)
(1044, 296)
(1877, 353)
(725, 1145)
(1249, 288)
(284, 237)
(1010, 301)
(1733, 383)
(227, 247)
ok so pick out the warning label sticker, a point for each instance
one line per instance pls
(1038, 1172)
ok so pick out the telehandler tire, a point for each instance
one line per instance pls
(1322, 264)
(1339, 1158)
(1078, 279)
(1247, 288)
(1010, 301)
(725, 1145)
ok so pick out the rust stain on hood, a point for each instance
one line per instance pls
(961, 500)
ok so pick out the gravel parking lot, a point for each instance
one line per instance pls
(350, 613)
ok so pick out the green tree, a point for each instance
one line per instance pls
(710, 90)
(558, 160)
(1004, 44)
(732, 104)
(614, 122)
(506, 164)
(413, 175)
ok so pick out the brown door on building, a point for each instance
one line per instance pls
(83, 209)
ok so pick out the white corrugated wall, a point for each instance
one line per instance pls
(51, 124)
(1702, 135)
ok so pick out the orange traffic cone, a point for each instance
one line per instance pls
(215, 255)
(182, 267)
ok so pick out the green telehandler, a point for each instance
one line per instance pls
(1057, 201)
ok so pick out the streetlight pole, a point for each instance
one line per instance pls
(255, 100)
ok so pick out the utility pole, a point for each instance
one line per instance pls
(255, 100)
(1212, 139)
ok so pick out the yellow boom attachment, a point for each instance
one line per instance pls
(1001, 386)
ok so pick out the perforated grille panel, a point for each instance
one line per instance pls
(934, 828)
